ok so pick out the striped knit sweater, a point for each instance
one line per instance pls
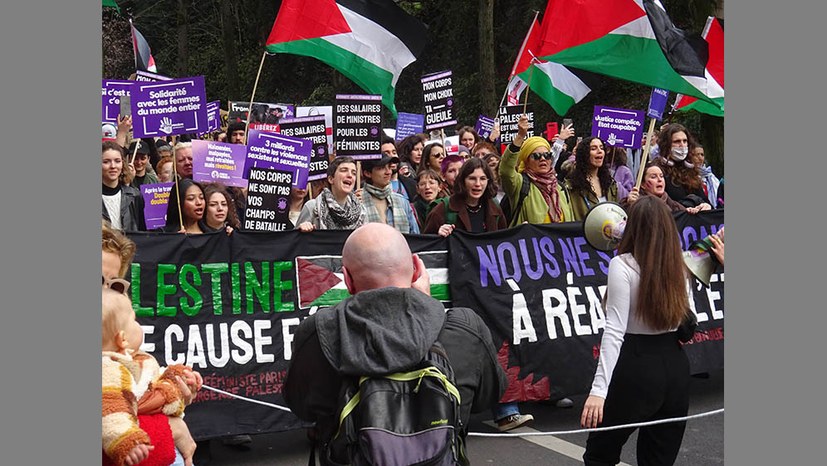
(126, 379)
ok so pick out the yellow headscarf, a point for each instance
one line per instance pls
(529, 146)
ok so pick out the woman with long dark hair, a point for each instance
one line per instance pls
(683, 179)
(123, 205)
(642, 372)
(219, 213)
(471, 207)
(186, 218)
(590, 181)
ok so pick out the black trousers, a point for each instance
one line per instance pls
(649, 382)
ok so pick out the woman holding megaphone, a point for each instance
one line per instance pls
(642, 372)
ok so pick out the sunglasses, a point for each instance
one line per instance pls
(539, 155)
(118, 284)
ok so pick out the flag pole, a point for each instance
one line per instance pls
(528, 85)
(177, 188)
(252, 97)
(132, 35)
(645, 156)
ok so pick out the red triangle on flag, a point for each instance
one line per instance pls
(571, 24)
(714, 36)
(314, 280)
(296, 20)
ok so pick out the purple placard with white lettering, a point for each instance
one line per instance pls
(484, 126)
(213, 115)
(156, 198)
(438, 93)
(657, 103)
(111, 92)
(279, 152)
(147, 77)
(357, 126)
(214, 161)
(313, 128)
(408, 124)
(177, 106)
(619, 127)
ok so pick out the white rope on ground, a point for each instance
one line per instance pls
(517, 434)
(600, 429)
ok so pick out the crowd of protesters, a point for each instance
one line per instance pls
(421, 185)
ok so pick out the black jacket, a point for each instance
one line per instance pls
(132, 209)
(384, 331)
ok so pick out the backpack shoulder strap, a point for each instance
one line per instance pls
(523, 194)
(450, 215)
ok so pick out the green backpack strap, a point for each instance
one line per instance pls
(450, 215)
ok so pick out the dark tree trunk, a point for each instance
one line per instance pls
(230, 55)
(183, 52)
(488, 93)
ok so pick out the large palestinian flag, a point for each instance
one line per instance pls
(627, 39)
(369, 41)
(558, 85)
(320, 282)
(714, 36)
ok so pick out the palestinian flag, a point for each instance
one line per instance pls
(320, 282)
(558, 85)
(627, 39)
(713, 34)
(143, 56)
(369, 41)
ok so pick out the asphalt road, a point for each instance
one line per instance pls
(703, 442)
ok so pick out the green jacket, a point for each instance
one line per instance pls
(580, 203)
(534, 208)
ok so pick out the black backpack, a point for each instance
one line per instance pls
(406, 418)
(505, 204)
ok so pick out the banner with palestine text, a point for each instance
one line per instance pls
(229, 306)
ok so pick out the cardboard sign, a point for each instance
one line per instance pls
(408, 124)
(484, 126)
(619, 127)
(111, 92)
(264, 116)
(357, 126)
(312, 128)
(279, 152)
(156, 198)
(268, 200)
(214, 161)
(509, 116)
(177, 106)
(657, 103)
(438, 93)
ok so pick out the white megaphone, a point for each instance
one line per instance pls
(603, 226)
(603, 229)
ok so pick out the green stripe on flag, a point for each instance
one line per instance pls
(441, 292)
(367, 75)
(636, 59)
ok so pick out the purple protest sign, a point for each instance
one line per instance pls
(156, 198)
(214, 161)
(619, 127)
(176, 106)
(111, 92)
(657, 103)
(279, 152)
(438, 93)
(268, 200)
(484, 126)
(357, 126)
(313, 128)
(147, 77)
(408, 124)
(213, 115)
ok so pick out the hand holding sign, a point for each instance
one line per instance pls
(522, 130)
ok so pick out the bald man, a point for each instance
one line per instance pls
(387, 325)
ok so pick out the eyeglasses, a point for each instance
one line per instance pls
(118, 284)
(538, 155)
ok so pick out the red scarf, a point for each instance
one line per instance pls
(547, 184)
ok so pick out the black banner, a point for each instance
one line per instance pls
(229, 306)
(539, 289)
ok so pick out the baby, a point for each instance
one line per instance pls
(133, 383)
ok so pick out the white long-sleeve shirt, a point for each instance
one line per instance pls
(621, 318)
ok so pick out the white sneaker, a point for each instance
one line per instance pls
(512, 422)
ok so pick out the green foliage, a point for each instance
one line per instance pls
(452, 44)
